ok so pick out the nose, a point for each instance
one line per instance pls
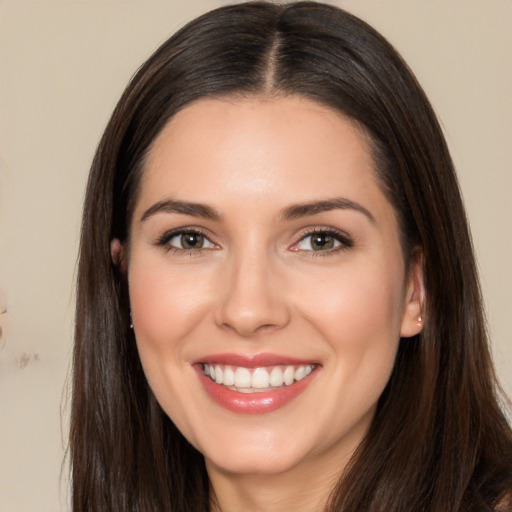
(253, 298)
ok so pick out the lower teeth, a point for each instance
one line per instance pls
(253, 390)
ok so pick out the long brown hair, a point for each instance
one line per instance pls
(439, 441)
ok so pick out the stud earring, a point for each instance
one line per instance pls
(131, 320)
(420, 319)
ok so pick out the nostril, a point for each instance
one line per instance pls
(267, 328)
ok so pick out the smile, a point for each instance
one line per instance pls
(256, 380)
(255, 384)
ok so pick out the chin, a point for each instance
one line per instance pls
(254, 461)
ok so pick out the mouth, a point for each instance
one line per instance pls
(255, 385)
(256, 380)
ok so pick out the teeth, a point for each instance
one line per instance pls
(300, 373)
(260, 378)
(229, 376)
(257, 379)
(242, 378)
(289, 375)
(276, 377)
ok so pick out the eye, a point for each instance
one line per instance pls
(323, 241)
(187, 240)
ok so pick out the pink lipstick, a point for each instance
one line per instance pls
(254, 384)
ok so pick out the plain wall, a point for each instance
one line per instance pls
(64, 64)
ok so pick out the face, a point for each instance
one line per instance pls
(267, 283)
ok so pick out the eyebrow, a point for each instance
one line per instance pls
(314, 208)
(292, 212)
(183, 207)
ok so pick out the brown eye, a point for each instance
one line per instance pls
(322, 241)
(187, 240)
(192, 240)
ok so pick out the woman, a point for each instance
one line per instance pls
(278, 306)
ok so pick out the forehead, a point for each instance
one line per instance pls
(259, 150)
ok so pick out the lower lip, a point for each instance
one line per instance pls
(253, 403)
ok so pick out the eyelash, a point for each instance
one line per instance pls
(164, 240)
(345, 241)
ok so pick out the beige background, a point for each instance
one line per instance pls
(63, 65)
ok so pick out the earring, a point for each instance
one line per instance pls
(420, 319)
(131, 320)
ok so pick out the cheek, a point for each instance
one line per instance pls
(359, 316)
(165, 303)
(168, 307)
(355, 303)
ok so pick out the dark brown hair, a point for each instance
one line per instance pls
(439, 441)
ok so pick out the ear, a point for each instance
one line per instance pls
(118, 254)
(414, 300)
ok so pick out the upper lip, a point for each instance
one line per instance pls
(253, 360)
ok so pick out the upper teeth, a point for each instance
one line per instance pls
(256, 378)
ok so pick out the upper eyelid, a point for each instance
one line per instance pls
(346, 240)
(171, 233)
(326, 230)
(321, 229)
(187, 229)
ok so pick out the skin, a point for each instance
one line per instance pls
(257, 287)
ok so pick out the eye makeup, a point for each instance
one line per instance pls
(317, 241)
